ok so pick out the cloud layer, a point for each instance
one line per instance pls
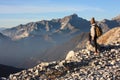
(5, 9)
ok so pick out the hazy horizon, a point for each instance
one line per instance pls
(15, 12)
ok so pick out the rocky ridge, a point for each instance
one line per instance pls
(78, 65)
(111, 36)
(67, 25)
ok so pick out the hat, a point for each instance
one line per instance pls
(92, 20)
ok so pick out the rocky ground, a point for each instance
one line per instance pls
(81, 64)
(78, 65)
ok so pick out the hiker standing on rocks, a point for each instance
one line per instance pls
(95, 32)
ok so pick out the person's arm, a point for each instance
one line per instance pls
(92, 30)
(89, 36)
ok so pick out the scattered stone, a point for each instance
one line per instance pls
(79, 65)
(70, 55)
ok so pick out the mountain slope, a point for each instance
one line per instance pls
(4, 40)
(78, 65)
(37, 40)
(1, 29)
(61, 50)
(79, 42)
(112, 35)
(32, 39)
(5, 70)
(3, 37)
(108, 24)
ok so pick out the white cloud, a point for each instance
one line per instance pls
(14, 22)
(4, 9)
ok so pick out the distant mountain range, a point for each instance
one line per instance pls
(68, 25)
(46, 40)
(108, 24)
(1, 29)
(3, 37)
(56, 27)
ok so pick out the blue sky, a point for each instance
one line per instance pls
(15, 12)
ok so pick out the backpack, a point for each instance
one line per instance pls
(98, 31)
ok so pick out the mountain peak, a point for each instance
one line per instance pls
(116, 18)
(72, 16)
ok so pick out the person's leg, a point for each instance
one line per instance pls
(95, 42)
(96, 46)
(89, 37)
